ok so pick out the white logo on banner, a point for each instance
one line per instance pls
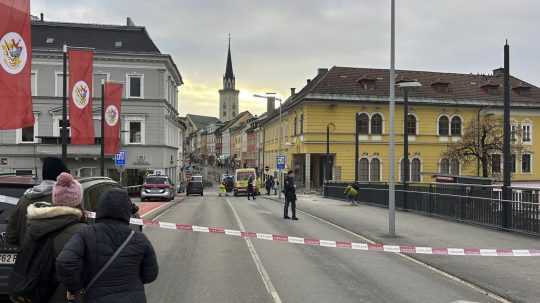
(81, 94)
(111, 115)
(14, 54)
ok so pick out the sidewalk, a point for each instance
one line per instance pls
(515, 278)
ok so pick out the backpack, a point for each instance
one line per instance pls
(33, 279)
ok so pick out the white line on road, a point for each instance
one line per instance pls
(258, 263)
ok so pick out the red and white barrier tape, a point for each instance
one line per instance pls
(406, 249)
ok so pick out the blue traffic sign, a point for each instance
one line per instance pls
(280, 162)
(120, 158)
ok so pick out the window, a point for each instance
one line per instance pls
(363, 170)
(454, 167)
(375, 170)
(376, 125)
(87, 172)
(443, 126)
(34, 83)
(135, 132)
(58, 122)
(28, 134)
(495, 164)
(513, 163)
(301, 124)
(135, 86)
(415, 170)
(363, 124)
(98, 77)
(526, 163)
(456, 126)
(445, 167)
(513, 132)
(526, 133)
(295, 124)
(411, 125)
(59, 85)
(402, 166)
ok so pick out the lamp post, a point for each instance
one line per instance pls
(327, 167)
(269, 97)
(406, 86)
(392, 109)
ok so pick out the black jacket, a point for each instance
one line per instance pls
(86, 253)
(62, 222)
(290, 188)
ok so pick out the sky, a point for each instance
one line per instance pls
(279, 44)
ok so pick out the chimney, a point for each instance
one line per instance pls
(270, 104)
(293, 91)
(322, 71)
(41, 17)
(129, 22)
(498, 72)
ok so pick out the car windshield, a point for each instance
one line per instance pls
(156, 180)
(196, 179)
(243, 176)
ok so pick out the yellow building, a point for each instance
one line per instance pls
(440, 110)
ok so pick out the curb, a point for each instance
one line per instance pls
(160, 210)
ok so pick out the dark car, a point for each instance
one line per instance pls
(13, 187)
(195, 186)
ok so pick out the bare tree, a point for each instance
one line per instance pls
(482, 138)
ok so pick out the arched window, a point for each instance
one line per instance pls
(411, 125)
(415, 170)
(363, 124)
(445, 167)
(376, 124)
(456, 126)
(363, 170)
(375, 170)
(443, 126)
(454, 167)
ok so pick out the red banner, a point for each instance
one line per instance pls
(113, 102)
(80, 88)
(15, 65)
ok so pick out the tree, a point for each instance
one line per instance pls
(482, 138)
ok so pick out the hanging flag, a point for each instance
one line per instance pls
(113, 101)
(80, 105)
(16, 65)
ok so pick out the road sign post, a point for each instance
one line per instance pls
(120, 163)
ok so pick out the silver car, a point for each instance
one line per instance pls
(157, 187)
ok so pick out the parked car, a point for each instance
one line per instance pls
(157, 187)
(13, 187)
(241, 178)
(195, 186)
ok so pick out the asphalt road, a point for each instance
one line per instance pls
(198, 267)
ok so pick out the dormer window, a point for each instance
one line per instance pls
(441, 86)
(367, 82)
(49, 40)
(491, 88)
(522, 89)
(118, 44)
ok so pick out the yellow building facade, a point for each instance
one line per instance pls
(438, 117)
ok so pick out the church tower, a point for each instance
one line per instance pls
(228, 96)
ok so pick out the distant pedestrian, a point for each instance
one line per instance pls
(352, 194)
(16, 228)
(108, 261)
(251, 187)
(222, 189)
(290, 196)
(50, 227)
(269, 185)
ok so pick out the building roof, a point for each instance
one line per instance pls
(108, 38)
(229, 74)
(233, 121)
(201, 122)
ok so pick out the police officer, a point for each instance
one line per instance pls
(290, 196)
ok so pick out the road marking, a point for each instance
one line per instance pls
(258, 263)
(411, 259)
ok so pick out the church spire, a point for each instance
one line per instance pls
(229, 74)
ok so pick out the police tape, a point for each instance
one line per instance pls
(378, 247)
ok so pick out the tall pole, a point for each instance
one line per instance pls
(279, 149)
(392, 147)
(406, 168)
(356, 143)
(64, 131)
(327, 166)
(102, 154)
(507, 178)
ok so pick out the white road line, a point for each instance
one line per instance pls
(258, 263)
(411, 259)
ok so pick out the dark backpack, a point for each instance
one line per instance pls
(33, 278)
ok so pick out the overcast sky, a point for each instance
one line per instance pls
(278, 44)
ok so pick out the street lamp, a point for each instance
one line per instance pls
(406, 86)
(270, 97)
(327, 167)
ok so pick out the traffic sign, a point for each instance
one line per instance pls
(120, 158)
(280, 161)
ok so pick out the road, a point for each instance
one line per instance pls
(198, 267)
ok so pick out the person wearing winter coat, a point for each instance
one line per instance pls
(61, 220)
(251, 187)
(269, 184)
(290, 196)
(351, 193)
(88, 251)
(16, 227)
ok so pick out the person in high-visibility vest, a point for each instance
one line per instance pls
(222, 189)
(351, 193)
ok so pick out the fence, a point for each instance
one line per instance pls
(477, 204)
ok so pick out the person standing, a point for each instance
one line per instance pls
(88, 252)
(351, 193)
(269, 185)
(16, 227)
(251, 187)
(290, 196)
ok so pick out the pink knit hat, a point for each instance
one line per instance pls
(67, 191)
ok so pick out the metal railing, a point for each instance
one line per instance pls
(477, 204)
